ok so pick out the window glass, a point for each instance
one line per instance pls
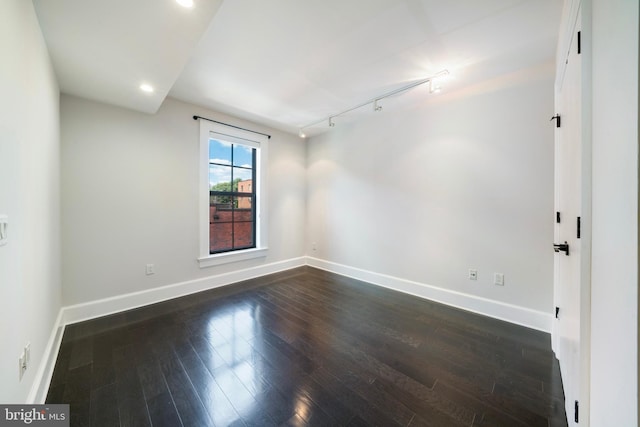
(232, 217)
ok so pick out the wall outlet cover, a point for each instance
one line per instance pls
(22, 365)
(4, 229)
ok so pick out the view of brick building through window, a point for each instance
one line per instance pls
(231, 224)
(245, 187)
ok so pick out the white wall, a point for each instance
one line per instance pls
(130, 198)
(614, 286)
(30, 294)
(463, 181)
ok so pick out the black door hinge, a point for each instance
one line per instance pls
(557, 312)
(557, 119)
(576, 412)
(579, 43)
(557, 217)
(578, 227)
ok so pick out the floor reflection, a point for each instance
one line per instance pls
(230, 334)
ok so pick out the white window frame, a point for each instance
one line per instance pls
(231, 134)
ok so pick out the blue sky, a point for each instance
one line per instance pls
(220, 152)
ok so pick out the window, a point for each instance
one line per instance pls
(233, 199)
(232, 217)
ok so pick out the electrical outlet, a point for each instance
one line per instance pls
(473, 274)
(22, 365)
(498, 279)
(151, 269)
(27, 353)
(4, 227)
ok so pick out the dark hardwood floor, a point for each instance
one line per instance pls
(306, 348)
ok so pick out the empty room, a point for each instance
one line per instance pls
(319, 213)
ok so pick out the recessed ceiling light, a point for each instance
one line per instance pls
(185, 3)
(146, 88)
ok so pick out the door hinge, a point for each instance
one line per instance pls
(576, 412)
(557, 217)
(578, 227)
(557, 119)
(557, 312)
(579, 43)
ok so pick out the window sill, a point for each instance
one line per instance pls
(229, 257)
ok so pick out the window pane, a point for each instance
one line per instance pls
(245, 186)
(243, 156)
(220, 224)
(243, 203)
(220, 237)
(243, 222)
(219, 152)
(231, 222)
(243, 234)
(242, 174)
(220, 209)
(220, 178)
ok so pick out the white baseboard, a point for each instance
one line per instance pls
(80, 312)
(511, 313)
(40, 386)
(89, 310)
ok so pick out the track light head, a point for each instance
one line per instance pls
(331, 123)
(435, 81)
(376, 107)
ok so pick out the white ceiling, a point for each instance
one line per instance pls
(104, 49)
(287, 63)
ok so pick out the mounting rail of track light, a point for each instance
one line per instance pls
(434, 87)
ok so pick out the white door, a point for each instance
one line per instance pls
(568, 201)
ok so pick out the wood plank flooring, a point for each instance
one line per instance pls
(306, 348)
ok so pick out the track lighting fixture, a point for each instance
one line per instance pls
(434, 87)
